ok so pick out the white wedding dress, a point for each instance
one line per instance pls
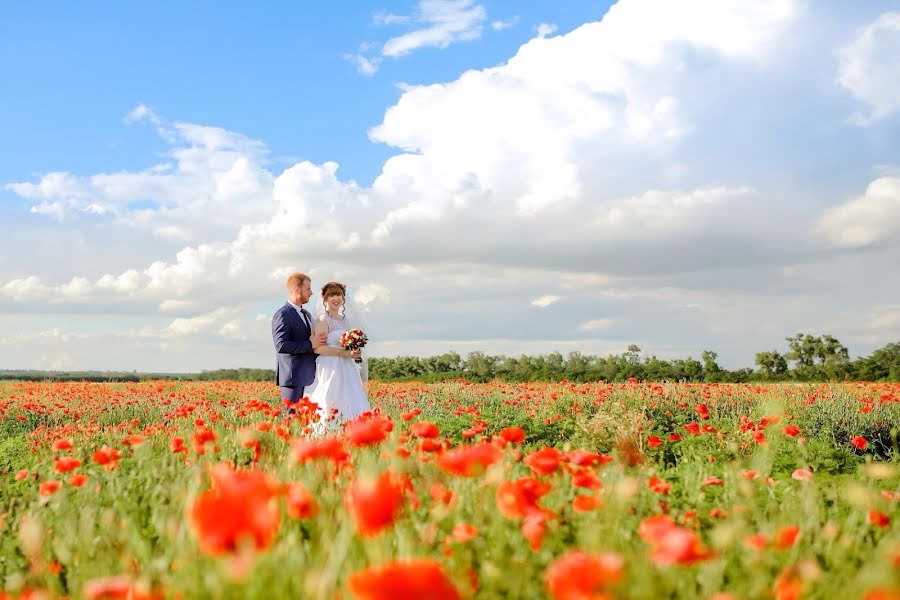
(338, 385)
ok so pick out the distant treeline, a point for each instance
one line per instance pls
(243, 374)
(808, 358)
(94, 376)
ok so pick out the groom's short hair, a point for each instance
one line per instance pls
(295, 279)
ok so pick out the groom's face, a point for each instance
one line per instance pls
(300, 294)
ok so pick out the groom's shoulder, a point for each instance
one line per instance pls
(282, 309)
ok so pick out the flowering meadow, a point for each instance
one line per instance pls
(451, 490)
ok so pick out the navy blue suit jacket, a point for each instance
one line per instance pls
(295, 361)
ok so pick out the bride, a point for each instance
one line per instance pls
(339, 390)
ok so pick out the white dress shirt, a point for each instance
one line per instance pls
(302, 314)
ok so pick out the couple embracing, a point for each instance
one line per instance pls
(310, 361)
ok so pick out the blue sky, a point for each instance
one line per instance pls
(273, 71)
(572, 176)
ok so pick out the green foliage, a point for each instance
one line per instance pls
(772, 364)
(815, 359)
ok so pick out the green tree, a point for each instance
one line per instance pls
(576, 366)
(772, 364)
(632, 354)
(693, 369)
(481, 366)
(882, 365)
(803, 349)
(709, 362)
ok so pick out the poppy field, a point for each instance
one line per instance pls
(451, 490)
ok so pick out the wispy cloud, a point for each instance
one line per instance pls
(544, 301)
(435, 24)
(364, 65)
(443, 23)
(595, 324)
(384, 18)
(501, 25)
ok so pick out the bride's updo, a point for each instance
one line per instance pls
(333, 288)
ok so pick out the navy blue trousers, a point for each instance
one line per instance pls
(292, 393)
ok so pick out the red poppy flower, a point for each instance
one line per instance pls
(583, 503)
(788, 586)
(671, 544)
(516, 499)
(469, 461)
(300, 503)
(693, 428)
(238, 509)
(577, 575)
(534, 526)
(368, 431)
(463, 532)
(658, 486)
(331, 448)
(878, 518)
(791, 430)
(66, 464)
(21, 475)
(583, 458)
(513, 435)
(106, 456)
(203, 435)
(757, 541)
(176, 445)
(48, 488)
(62, 444)
(440, 494)
(404, 580)
(786, 536)
(544, 461)
(77, 480)
(430, 445)
(586, 478)
(859, 442)
(375, 504)
(654, 441)
(135, 439)
(424, 429)
(702, 412)
(409, 416)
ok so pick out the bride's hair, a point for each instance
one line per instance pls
(333, 288)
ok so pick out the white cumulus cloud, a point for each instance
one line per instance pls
(870, 67)
(869, 219)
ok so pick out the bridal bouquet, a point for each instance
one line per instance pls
(353, 339)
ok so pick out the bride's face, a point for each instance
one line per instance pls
(334, 302)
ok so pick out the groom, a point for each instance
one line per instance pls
(295, 341)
